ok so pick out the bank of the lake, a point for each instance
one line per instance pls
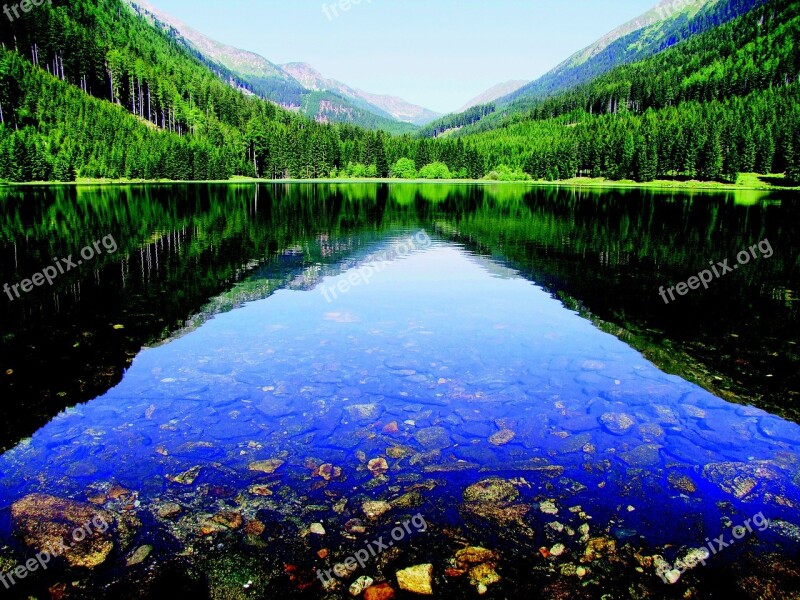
(745, 182)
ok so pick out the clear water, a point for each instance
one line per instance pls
(452, 346)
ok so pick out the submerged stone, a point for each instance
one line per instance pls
(360, 584)
(417, 579)
(382, 591)
(646, 455)
(491, 490)
(374, 509)
(46, 522)
(434, 438)
(266, 466)
(139, 556)
(501, 438)
(617, 423)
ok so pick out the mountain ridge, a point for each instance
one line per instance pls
(661, 27)
(392, 106)
(495, 92)
(289, 85)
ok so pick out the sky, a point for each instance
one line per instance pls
(435, 53)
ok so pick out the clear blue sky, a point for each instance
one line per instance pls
(437, 53)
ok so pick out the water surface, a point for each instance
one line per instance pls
(487, 337)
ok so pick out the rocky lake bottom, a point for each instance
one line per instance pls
(301, 447)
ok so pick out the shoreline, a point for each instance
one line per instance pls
(745, 182)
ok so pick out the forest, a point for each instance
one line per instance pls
(89, 90)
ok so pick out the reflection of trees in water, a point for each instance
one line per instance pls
(188, 252)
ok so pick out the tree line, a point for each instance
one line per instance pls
(89, 89)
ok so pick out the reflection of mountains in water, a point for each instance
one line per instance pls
(188, 252)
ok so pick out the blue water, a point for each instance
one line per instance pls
(437, 338)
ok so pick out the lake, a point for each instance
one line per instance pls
(282, 389)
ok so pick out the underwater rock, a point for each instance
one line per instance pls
(355, 526)
(408, 501)
(433, 438)
(645, 455)
(391, 428)
(397, 452)
(378, 466)
(364, 412)
(739, 479)
(501, 438)
(382, 591)
(483, 575)
(548, 507)
(116, 491)
(360, 584)
(417, 579)
(374, 509)
(786, 529)
(266, 466)
(779, 429)
(260, 490)
(681, 483)
(491, 490)
(770, 577)
(46, 522)
(275, 408)
(617, 423)
(317, 529)
(425, 457)
(170, 510)
(138, 556)
(229, 520)
(475, 555)
(600, 547)
(255, 528)
(187, 477)
(503, 515)
(327, 472)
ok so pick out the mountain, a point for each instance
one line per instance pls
(390, 106)
(664, 26)
(400, 109)
(717, 104)
(91, 89)
(495, 92)
(660, 28)
(296, 86)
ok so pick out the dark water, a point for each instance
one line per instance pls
(508, 336)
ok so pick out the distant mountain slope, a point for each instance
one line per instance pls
(665, 25)
(722, 103)
(389, 106)
(400, 109)
(494, 93)
(335, 102)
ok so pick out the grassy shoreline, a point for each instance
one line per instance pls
(746, 181)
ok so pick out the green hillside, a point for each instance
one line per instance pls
(718, 104)
(91, 90)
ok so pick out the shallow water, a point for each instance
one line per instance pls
(456, 368)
